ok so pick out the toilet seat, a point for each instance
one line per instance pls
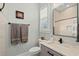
(34, 49)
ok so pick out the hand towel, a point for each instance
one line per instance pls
(15, 33)
(24, 33)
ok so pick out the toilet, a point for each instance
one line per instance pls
(35, 50)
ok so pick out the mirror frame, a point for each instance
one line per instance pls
(67, 35)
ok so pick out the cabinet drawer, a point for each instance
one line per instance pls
(45, 51)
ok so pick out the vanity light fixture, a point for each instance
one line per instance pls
(2, 5)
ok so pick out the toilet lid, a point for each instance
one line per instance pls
(34, 49)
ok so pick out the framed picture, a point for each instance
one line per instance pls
(19, 14)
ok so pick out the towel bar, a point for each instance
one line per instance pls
(10, 23)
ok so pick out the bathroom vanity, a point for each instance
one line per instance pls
(57, 49)
(66, 26)
(46, 51)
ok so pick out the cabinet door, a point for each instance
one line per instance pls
(45, 51)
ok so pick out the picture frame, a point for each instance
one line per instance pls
(19, 14)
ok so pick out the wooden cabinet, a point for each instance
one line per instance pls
(45, 51)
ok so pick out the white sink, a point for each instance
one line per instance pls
(57, 44)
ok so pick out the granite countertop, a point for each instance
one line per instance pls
(65, 49)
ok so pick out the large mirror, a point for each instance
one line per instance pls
(65, 19)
